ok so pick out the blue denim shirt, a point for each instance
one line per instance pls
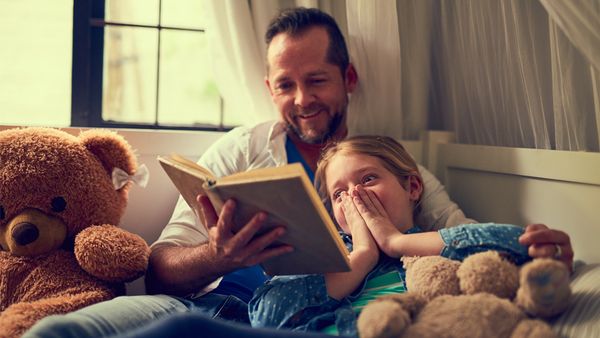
(301, 302)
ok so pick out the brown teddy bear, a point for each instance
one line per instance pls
(60, 249)
(448, 298)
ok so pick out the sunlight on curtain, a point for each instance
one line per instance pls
(238, 63)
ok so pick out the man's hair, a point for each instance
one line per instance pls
(295, 21)
(392, 155)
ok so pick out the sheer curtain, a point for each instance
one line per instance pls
(389, 44)
(235, 31)
(238, 62)
(523, 73)
(575, 49)
(518, 73)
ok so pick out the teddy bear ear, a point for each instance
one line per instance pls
(110, 148)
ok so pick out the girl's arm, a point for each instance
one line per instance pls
(417, 244)
(363, 257)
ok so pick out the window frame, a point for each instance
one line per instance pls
(87, 71)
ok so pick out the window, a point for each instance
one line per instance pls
(35, 62)
(147, 65)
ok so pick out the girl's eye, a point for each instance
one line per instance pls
(337, 194)
(368, 178)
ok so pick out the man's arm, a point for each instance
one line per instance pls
(438, 210)
(184, 270)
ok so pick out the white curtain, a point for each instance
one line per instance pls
(235, 31)
(522, 73)
(238, 62)
(389, 44)
(519, 73)
(575, 48)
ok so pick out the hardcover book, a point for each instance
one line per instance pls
(286, 194)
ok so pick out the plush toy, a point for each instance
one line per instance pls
(60, 249)
(484, 296)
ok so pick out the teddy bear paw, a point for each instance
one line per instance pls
(383, 319)
(544, 289)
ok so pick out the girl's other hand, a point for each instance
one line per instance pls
(375, 217)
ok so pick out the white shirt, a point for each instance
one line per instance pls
(246, 148)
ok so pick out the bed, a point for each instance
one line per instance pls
(513, 185)
(522, 186)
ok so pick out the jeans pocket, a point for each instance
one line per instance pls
(233, 309)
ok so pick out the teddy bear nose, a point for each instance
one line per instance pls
(25, 233)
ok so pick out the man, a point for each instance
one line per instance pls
(309, 77)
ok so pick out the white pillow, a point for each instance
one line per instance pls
(582, 317)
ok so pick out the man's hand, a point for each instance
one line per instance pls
(241, 249)
(545, 242)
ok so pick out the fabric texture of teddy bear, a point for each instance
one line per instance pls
(484, 296)
(60, 247)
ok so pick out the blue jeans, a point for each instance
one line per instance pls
(192, 325)
(127, 313)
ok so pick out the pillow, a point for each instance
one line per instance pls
(582, 317)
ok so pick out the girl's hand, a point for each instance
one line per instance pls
(376, 219)
(361, 236)
(363, 258)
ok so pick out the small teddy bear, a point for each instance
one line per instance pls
(60, 248)
(484, 296)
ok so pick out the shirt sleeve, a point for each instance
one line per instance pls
(290, 302)
(437, 210)
(464, 240)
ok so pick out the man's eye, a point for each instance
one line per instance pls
(283, 86)
(317, 81)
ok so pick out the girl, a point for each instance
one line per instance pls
(373, 187)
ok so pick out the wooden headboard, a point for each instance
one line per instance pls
(514, 185)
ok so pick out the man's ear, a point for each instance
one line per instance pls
(415, 187)
(268, 84)
(351, 77)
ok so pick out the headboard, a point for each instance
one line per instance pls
(514, 185)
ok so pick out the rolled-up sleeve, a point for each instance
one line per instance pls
(290, 302)
(464, 240)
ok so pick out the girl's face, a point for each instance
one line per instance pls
(346, 171)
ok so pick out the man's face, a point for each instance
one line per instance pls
(310, 93)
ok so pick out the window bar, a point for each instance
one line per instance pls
(158, 64)
(97, 22)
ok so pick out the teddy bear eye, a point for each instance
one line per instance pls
(58, 204)
(1, 213)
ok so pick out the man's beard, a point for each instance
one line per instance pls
(334, 124)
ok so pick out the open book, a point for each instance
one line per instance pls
(287, 195)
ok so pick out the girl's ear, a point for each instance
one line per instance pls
(415, 188)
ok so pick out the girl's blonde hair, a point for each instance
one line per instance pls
(390, 152)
